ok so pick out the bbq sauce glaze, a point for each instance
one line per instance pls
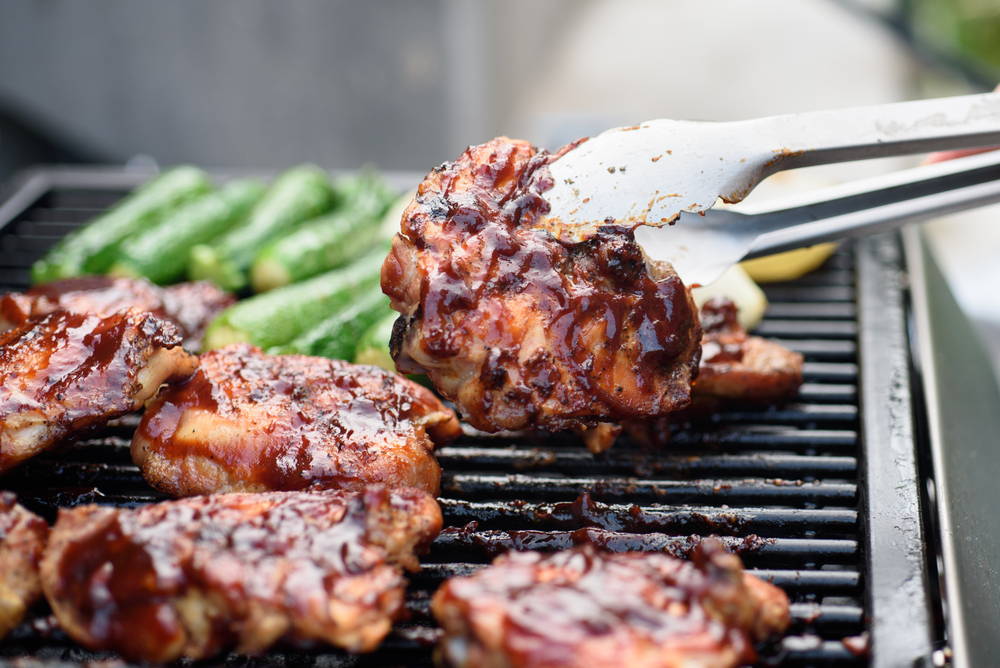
(189, 306)
(74, 372)
(195, 576)
(520, 328)
(583, 607)
(247, 421)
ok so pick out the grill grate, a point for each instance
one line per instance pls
(779, 483)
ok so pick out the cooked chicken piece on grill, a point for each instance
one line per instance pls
(735, 365)
(190, 306)
(22, 539)
(64, 375)
(196, 576)
(251, 422)
(520, 329)
(590, 609)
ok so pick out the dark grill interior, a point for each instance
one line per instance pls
(779, 483)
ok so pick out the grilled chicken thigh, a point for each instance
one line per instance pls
(250, 422)
(519, 328)
(196, 576)
(66, 374)
(22, 539)
(735, 365)
(189, 306)
(585, 608)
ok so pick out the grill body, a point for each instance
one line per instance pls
(820, 495)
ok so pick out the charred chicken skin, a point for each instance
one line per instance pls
(520, 329)
(196, 576)
(64, 375)
(22, 539)
(735, 365)
(251, 422)
(590, 609)
(189, 306)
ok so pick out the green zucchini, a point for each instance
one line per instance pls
(297, 195)
(373, 346)
(327, 242)
(94, 248)
(161, 254)
(338, 335)
(279, 316)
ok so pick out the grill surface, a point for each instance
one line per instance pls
(780, 484)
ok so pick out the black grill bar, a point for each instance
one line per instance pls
(816, 350)
(721, 491)
(641, 519)
(812, 310)
(621, 461)
(777, 438)
(793, 414)
(832, 583)
(470, 544)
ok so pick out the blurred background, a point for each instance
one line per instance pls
(407, 84)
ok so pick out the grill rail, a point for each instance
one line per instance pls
(789, 487)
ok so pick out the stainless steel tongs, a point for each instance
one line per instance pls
(702, 248)
(664, 171)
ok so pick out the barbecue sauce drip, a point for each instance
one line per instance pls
(519, 328)
(724, 336)
(583, 607)
(258, 422)
(136, 581)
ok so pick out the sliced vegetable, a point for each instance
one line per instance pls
(327, 242)
(373, 346)
(297, 195)
(94, 248)
(337, 337)
(367, 192)
(161, 254)
(789, 265)
(738, 287)
(279, 316)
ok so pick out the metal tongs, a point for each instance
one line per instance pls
(662, 174)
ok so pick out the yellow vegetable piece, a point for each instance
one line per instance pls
(740, 289)
(788, 265)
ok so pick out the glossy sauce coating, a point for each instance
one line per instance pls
(247, 421)
(189, 306)
(581, 607)
(66, 374)
(22, 539)
(735, 365)
(196, 576)
(519, 328)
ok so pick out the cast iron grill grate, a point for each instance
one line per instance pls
(780, 484)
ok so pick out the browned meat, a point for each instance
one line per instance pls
(66, 374)
(250, 422)
(585, 608)
(735, 365)
(196, 576)
(22, 539)
(190, 306)
(523, 330)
